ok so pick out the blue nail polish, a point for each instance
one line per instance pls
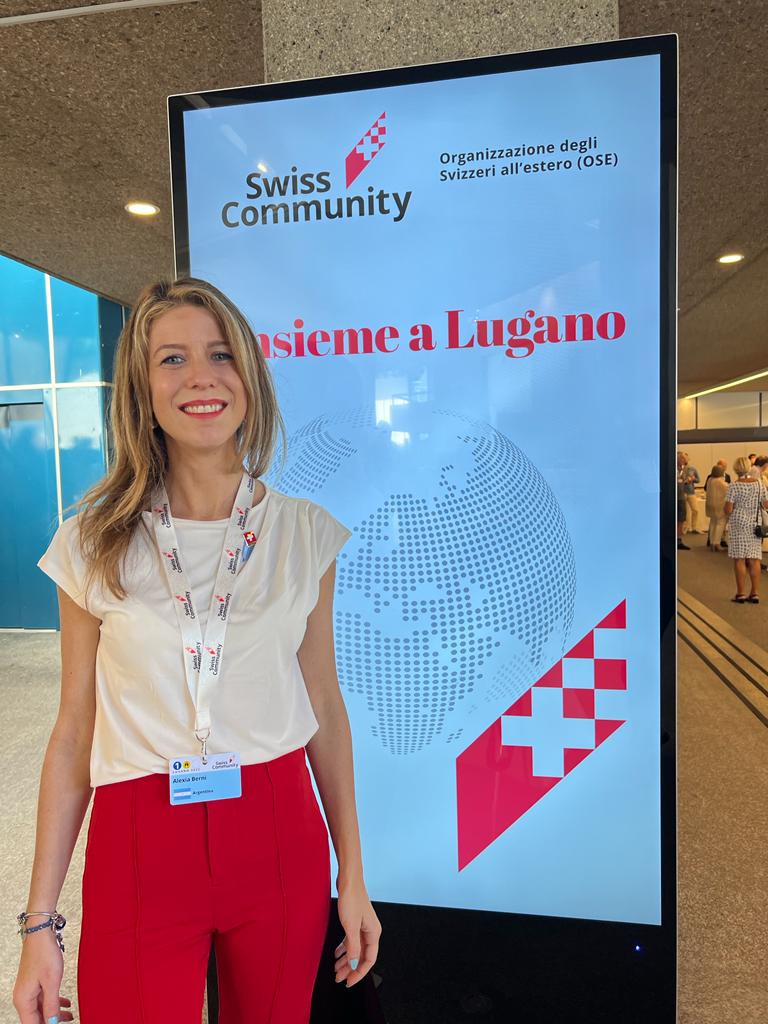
(353, 963)
(53, 1020)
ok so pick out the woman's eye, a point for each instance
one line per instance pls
(227, 355)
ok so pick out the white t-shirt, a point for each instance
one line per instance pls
(260, 707)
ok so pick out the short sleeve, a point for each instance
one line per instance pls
(328, 536)
(730, 493)
(63, 562)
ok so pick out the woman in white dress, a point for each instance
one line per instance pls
(744, 500)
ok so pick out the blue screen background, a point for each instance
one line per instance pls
(585, 415)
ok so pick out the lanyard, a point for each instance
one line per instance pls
(202, 655)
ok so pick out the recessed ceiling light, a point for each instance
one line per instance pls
(732, 257)
(142, 209)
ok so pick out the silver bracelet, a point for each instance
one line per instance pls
(55, 922)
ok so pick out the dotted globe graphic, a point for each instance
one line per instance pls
(456, 590)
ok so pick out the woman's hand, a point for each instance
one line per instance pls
(357, 953)
(36, 994)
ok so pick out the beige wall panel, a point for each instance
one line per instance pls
(305, 39)
(84, 130)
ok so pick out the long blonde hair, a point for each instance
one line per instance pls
(110, 511)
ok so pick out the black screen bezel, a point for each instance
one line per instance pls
(609, 946)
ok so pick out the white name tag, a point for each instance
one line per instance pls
(192, 782)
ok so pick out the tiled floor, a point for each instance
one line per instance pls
(723, 816)
(709, 577)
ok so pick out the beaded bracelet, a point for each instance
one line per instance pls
(55, 922)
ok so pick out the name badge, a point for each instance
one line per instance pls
(193, 782)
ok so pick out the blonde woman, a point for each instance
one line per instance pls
(198, 666)
(745, 497)
(716, 490)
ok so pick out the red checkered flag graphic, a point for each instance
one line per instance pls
(366, 149)
(539, 740)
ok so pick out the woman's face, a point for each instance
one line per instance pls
(190, 361)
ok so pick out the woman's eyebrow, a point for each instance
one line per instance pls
(181, 344)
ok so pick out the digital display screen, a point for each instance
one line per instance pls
(456, 284)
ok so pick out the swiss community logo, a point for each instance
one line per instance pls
(366, 149)
(560, 721)
(302, 195)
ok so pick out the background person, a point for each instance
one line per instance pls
(724, 537)
(716, 489)
(724, 464)
(690, 479)
(681, 508)
(761, 463)
(744, 498)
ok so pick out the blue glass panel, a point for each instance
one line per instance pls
(11, 397)
(110, 325)
(27, 595)
(23, 325)
(75, 332)
(81, 440)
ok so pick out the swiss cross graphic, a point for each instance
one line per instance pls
(366, 149)
(573, 708)
(548, 731)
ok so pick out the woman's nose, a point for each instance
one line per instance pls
(200, 371)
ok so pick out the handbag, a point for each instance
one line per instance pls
(761, 519)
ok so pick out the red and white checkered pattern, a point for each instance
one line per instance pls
(366, 149)
(495, 781)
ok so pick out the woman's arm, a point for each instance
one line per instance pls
(330, 755)
(63, 799)
(65, 789)
(330, 749)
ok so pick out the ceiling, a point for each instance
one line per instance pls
(84, 131)
(723, 199)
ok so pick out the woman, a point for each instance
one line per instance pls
(744, 500)
(204, 819)
(681, 505)
(761, 464)
(716, 490)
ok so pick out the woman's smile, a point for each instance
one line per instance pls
(204, 410)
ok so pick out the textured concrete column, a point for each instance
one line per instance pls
(309, 38)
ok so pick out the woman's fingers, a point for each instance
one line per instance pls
(49, 1009)
(368, 955)
(65, 1014)
(343, 968)
(360, 972)
(369, 932)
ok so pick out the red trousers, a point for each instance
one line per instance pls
(161, 881)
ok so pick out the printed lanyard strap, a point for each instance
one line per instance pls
(203, 656)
